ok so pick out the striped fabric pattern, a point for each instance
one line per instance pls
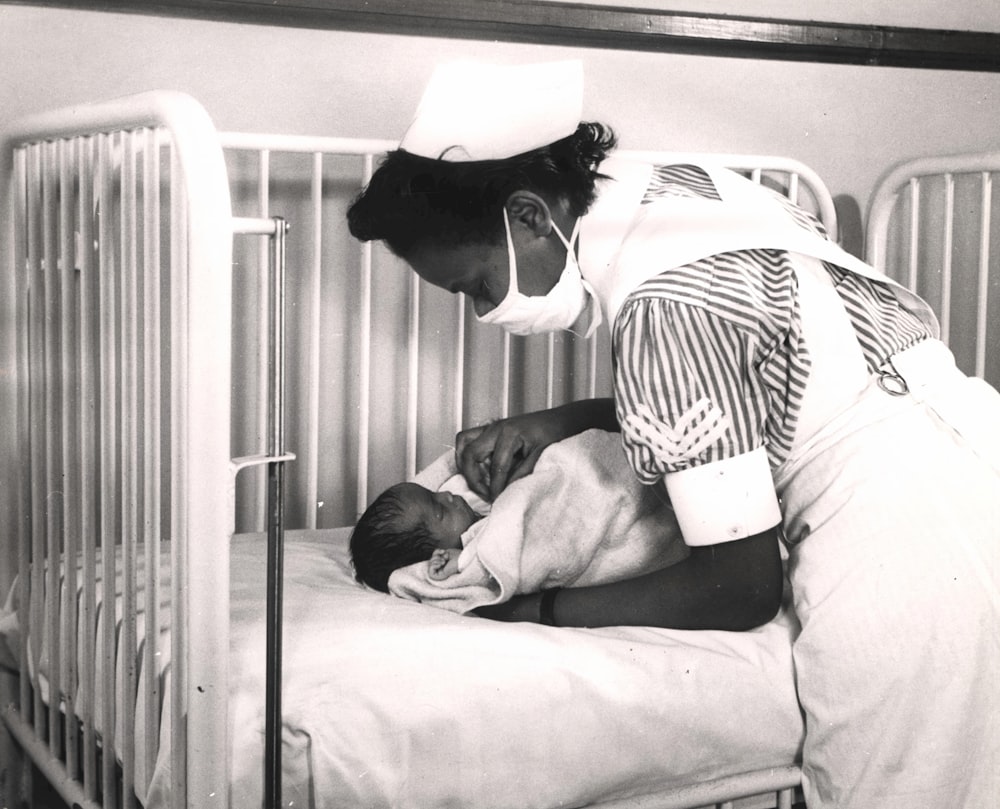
(882, 325)
(679, 181)
(802, 217)
(727, 329)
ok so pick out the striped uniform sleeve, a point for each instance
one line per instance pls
(710, 370)
(678, 366)
(721, 337)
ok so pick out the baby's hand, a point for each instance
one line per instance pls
(442, 564)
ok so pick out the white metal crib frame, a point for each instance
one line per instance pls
(106, 412)
(900, 206)
(74, 370)
(109, 380)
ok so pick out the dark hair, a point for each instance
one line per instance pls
(412, 199)
(380, 545)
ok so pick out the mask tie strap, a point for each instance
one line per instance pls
(574, 234)
(593, 308)
(512, 288)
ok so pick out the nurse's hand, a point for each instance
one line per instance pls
(493, 456)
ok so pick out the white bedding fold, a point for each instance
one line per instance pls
(580, 518)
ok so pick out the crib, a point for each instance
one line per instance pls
(930, 225)
(198, 419)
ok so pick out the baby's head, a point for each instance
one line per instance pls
(404, 525)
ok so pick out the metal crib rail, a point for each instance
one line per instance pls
(275, 457)
(904, 207)
(93, 348)
(779, 782)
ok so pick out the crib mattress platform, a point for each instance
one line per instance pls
(389, 703)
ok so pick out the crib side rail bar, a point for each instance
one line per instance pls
(797, 172)
(199, 519)
(942, 244)
(304, 144)
(798, 175)
(897, 179)
(777, 783)
(275, 518)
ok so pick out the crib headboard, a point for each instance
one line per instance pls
(384, 369)
(120, 244)
(930, 226)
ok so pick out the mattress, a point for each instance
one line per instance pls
(391, 703)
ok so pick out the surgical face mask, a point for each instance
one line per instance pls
(557, 310)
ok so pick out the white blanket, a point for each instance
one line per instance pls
(580, 518)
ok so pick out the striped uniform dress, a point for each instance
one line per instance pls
(890, 502)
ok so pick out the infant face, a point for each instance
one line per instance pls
(446, 516)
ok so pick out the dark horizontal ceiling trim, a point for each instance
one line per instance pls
(576, 24)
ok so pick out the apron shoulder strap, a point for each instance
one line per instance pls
(674, 232)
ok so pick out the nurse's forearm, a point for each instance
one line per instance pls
(587, 414)
(734, 586)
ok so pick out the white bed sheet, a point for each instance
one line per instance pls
(390, 703)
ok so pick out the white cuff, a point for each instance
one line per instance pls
(725, 500)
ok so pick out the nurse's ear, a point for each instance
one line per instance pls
(531, 211)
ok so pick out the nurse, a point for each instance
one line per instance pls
(779, 389)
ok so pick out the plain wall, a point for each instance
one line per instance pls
(848, 122)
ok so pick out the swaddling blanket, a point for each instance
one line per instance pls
(579, 518)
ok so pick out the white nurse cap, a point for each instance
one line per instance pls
(475, 111)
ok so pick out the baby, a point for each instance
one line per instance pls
(409, 523)
(580, 517)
